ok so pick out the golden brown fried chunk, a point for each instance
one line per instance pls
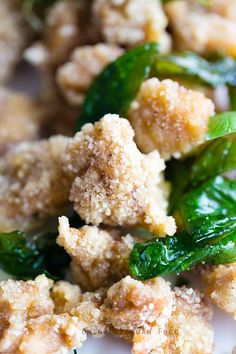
(114, 183)
(189, 330)
(221, 287)
(13, 37)
(75, 77)
(33, 184)
(214, 34)
(129, 22)
(98, 258)
(85, 307)
(19, 118)
(224, 8)
(168, 117)
(158, 320)
(67, 26)
(28, 324)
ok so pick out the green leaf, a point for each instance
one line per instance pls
(208, 217)
(208, 212)
(118, 84)
(193, 68)
(217, 158)
(26, 256)
(221, 124)
(176, 254)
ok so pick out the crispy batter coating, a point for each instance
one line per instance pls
(75, 77)
(19, 118)
(189, 330)
(224, 8)
(221, 287)
(85, 307)
(33, 184)
(114, 183)
(67, 25)
(215, 34)
(98, 258)
(129, 22)
(168, 117)
(28, 324)
(13, 37)
(158, 320)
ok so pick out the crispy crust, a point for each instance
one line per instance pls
(114, 183)
(98, 258)
(221, 287)
(168, 117)
(216, 34)
(33, 184)
(129, 22)
(75, 77)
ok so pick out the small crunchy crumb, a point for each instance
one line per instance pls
(13, 37)
(75, 77)
(28, 323)
(98, 258)
(19, 118)
(168, 117)
(114, 183)
(221, 287)
(129, 22)
(217, 32)
(33, 184)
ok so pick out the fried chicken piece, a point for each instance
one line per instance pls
(224, 8)
(221, 287)
(67, 25)
(129, 22)
(114, 183)
(28, 324)
(19, 118)
(33, 184)
(168, 117)
(75, 77)
(189, 330)
(13, 37)
(85, 307)
(215, 34)
(158, 320)
(98, 258)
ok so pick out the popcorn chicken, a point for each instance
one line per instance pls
(129, 22)
(189, 330)
(75, 77)
(198, 29)
(224, 8)
(67, 25)
(85, 307)
(33, 184)
(114, 183)
(98, 258)
(168, 117)
(28, 324)
(158, 320)
(19, 118)
(221, 287)
(13, 37)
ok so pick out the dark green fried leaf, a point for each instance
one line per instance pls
(118, 84)
(26, 256)
(191, 67)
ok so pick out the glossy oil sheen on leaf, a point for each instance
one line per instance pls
(118, 84)
(221, 124)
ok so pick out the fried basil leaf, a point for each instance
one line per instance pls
(217, 158)
(26, 256)
(118, 84)
(221, 124)
(191, 67)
